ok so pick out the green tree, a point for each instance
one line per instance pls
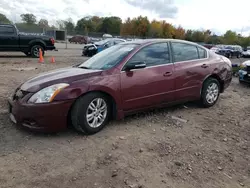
(167, 30)
(198, 36)
(111, 25)
(127, 28)
(179, 33)
(230, 37)
(4, 19)
(43, 23)
(189, 35)
(28, 18)
(155, 29)
(84, 24)
(97, 23)
(141, 26)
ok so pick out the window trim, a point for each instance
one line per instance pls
(199, 52)
(193, 60)
(144, 46)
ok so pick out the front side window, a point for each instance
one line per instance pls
(184, 52)
(152, 55)
(6, 30)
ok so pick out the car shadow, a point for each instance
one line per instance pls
(158, 111)
(71, 132)
(13, 56)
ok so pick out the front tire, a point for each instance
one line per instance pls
(90, 113)
(35, 51)
(210, 92)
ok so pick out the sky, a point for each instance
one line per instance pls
(216, 15)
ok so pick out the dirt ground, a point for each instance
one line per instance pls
(147, 150)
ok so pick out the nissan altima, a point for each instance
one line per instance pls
(123, 79)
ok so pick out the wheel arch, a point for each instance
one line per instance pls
(37, 42)
(215, 76)
(111, 99)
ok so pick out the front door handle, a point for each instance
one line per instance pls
(167, 74)
(204, 66)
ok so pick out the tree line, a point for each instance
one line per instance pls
(134, 27)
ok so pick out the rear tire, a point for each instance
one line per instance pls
(35, 51)
(210, 92)
(90, 113)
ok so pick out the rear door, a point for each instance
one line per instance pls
(8, 38)
(191, 66)
(152, 85)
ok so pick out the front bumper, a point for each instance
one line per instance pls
(51, 117)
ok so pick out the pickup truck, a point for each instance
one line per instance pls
(11, 40)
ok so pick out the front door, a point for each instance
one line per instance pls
(191, 68)
(152, 85)
(9, 39)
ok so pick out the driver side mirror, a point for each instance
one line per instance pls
(135, 65)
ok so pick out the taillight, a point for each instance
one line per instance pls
(52, 40)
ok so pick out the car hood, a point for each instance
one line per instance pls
(246, 63)
(64, 75)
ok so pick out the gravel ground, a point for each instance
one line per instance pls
(151, 149)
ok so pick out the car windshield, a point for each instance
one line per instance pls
(109, 57)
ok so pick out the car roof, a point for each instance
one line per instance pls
(146, 41)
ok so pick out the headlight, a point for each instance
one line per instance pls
(47, 94)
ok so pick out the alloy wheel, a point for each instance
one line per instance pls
(212, 93)
(96, 112)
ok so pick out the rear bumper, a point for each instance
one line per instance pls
(51, 117)
(50, 48)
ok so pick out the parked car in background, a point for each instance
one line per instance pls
(13, 41)
(246, 52)
(121, 80)
(215, 49)
(244, 72)
(92, 49)
(208, 46)
(79, 39)
(230, 51)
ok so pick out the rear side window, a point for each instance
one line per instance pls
(152, 55)
(6, 30)
(202, 53)
(184, 52)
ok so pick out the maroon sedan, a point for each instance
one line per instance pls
(121, 80)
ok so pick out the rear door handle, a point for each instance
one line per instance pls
(167, 74)
(204, 66)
